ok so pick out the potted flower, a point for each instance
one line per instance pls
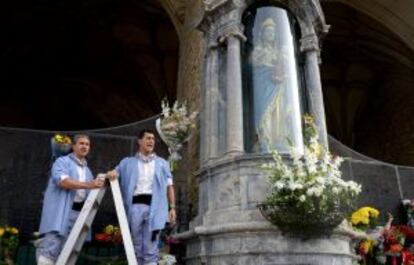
(111, 234)
(307, 197)
(9, 241)
(60, 145)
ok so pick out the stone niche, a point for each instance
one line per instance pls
(229, 229)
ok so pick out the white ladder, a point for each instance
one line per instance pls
(77, 236)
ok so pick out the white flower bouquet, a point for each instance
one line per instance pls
(167, 259)
(174, 127)
(307, 193)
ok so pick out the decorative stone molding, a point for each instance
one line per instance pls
(309, 43)
(210, 5)
(308, 13)
(232, 31)
(343, 230)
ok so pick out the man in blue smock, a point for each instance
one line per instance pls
(64, 197)
(148, 194)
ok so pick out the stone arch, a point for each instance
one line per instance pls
(176, 10)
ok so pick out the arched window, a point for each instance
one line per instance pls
(271, 81)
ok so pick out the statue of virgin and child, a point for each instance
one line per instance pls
(270, 103)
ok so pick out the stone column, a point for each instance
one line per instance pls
(234, 114)
(209, 137)
(310, 47)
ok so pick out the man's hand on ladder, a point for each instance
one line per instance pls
(96, 183)
(112, 175)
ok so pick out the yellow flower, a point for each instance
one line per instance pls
(62, 139)
(14, 231)
(317, 149)
(109, 229)
(1, 231)
(367, 245)
(374, 212)
(66, 140)
(363, 215)
(360, 217)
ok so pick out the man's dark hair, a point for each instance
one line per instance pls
(145, 130)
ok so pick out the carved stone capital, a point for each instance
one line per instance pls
(309, 43)
(212, 44)
(211, 40)
(210, 5)
(234, 31)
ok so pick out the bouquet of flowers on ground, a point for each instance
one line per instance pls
(308, 184)
(110, 234)
(9, 241)
(394, 239)
(61, 145)
(174, 127)
(370, 249)
(366, 246)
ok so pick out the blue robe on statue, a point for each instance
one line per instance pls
(58, 202)
(266, 106)
(128, 177)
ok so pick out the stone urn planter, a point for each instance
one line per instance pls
(297, 221)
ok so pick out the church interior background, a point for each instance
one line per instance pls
(104, 66)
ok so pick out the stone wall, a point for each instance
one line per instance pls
(188, 89)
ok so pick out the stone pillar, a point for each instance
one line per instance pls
(234, 114)
(209, 137)
(310, 47)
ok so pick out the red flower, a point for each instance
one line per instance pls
(395, 248)
(102, 237)
(406, 230)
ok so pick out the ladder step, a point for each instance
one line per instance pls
(82, 226)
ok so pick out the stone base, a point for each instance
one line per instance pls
(273, 260)
(230, 230)
(259, 243)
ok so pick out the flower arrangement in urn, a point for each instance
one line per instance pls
(61, 145)
(9, 241)
(174, 127)
(307, 195)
